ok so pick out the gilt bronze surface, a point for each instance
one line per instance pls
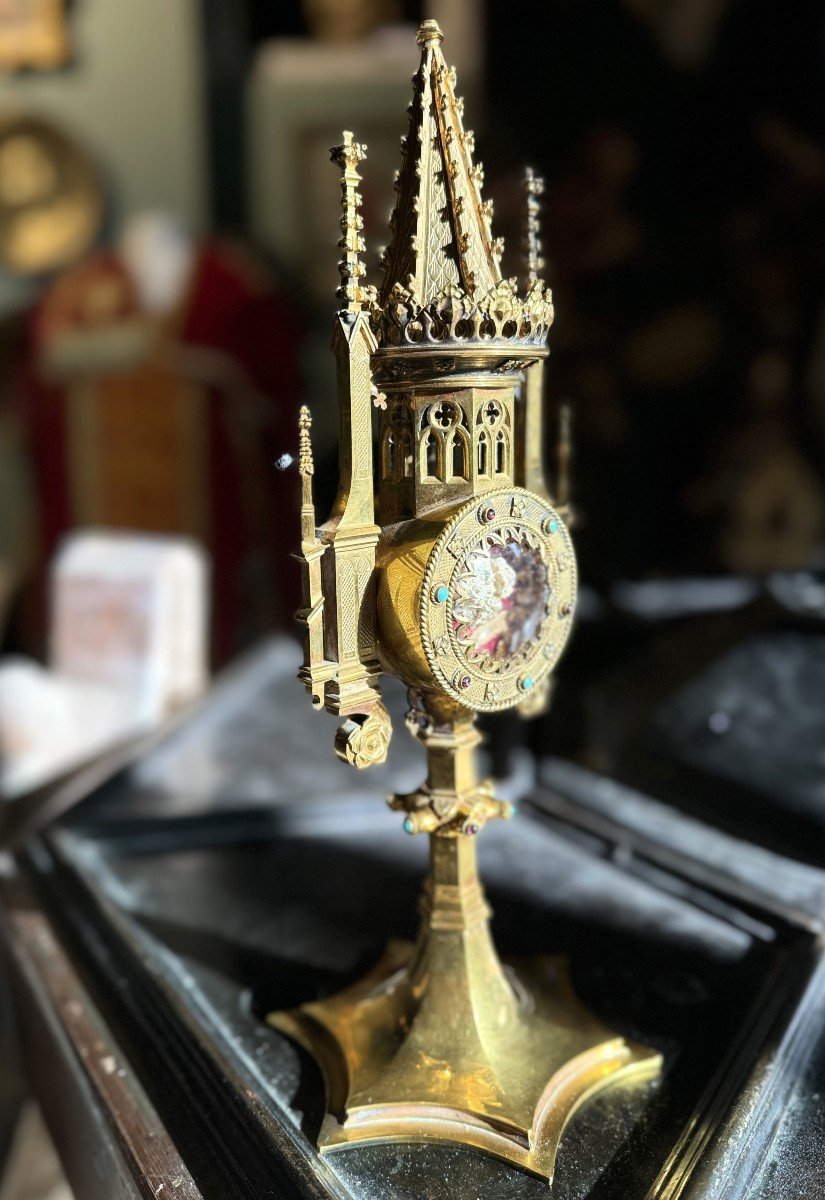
(448, 564)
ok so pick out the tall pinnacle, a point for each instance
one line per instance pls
(306, 469)
(440, 226)
(533, 188)
(306, 465)
(347, 156)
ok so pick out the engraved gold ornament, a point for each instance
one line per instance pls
(497, 599)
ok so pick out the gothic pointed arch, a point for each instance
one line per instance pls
(388, 453)
(459, 453)
(483, 453)
(501, 464)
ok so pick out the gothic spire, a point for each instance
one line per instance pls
(440, 226)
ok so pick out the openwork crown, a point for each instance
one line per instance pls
(442, 283)
(499, 316)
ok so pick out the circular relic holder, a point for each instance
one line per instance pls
(497, 599)
(51, 198)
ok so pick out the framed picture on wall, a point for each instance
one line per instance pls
(34, 35)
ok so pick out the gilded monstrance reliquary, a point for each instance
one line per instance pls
(446, 563)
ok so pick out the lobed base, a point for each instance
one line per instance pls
(441, 1043)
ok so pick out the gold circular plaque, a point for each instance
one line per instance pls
(497, 599)
(51, 199)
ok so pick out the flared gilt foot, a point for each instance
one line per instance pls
(440, 1043)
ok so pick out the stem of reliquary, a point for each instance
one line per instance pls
(451, 758)
(453, 897)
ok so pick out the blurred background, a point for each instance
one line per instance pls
(168, 220)
(168, 227)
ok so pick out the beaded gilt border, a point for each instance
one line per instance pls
(481, 682)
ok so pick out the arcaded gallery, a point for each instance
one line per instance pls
(412, 600)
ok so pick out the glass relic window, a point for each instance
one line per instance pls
(501, 598)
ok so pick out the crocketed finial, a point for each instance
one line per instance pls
(347, 156)
(306, 465)
(533, 188)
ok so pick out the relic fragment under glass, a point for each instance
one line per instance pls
(502, 599)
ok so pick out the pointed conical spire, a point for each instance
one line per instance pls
(440, 226)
